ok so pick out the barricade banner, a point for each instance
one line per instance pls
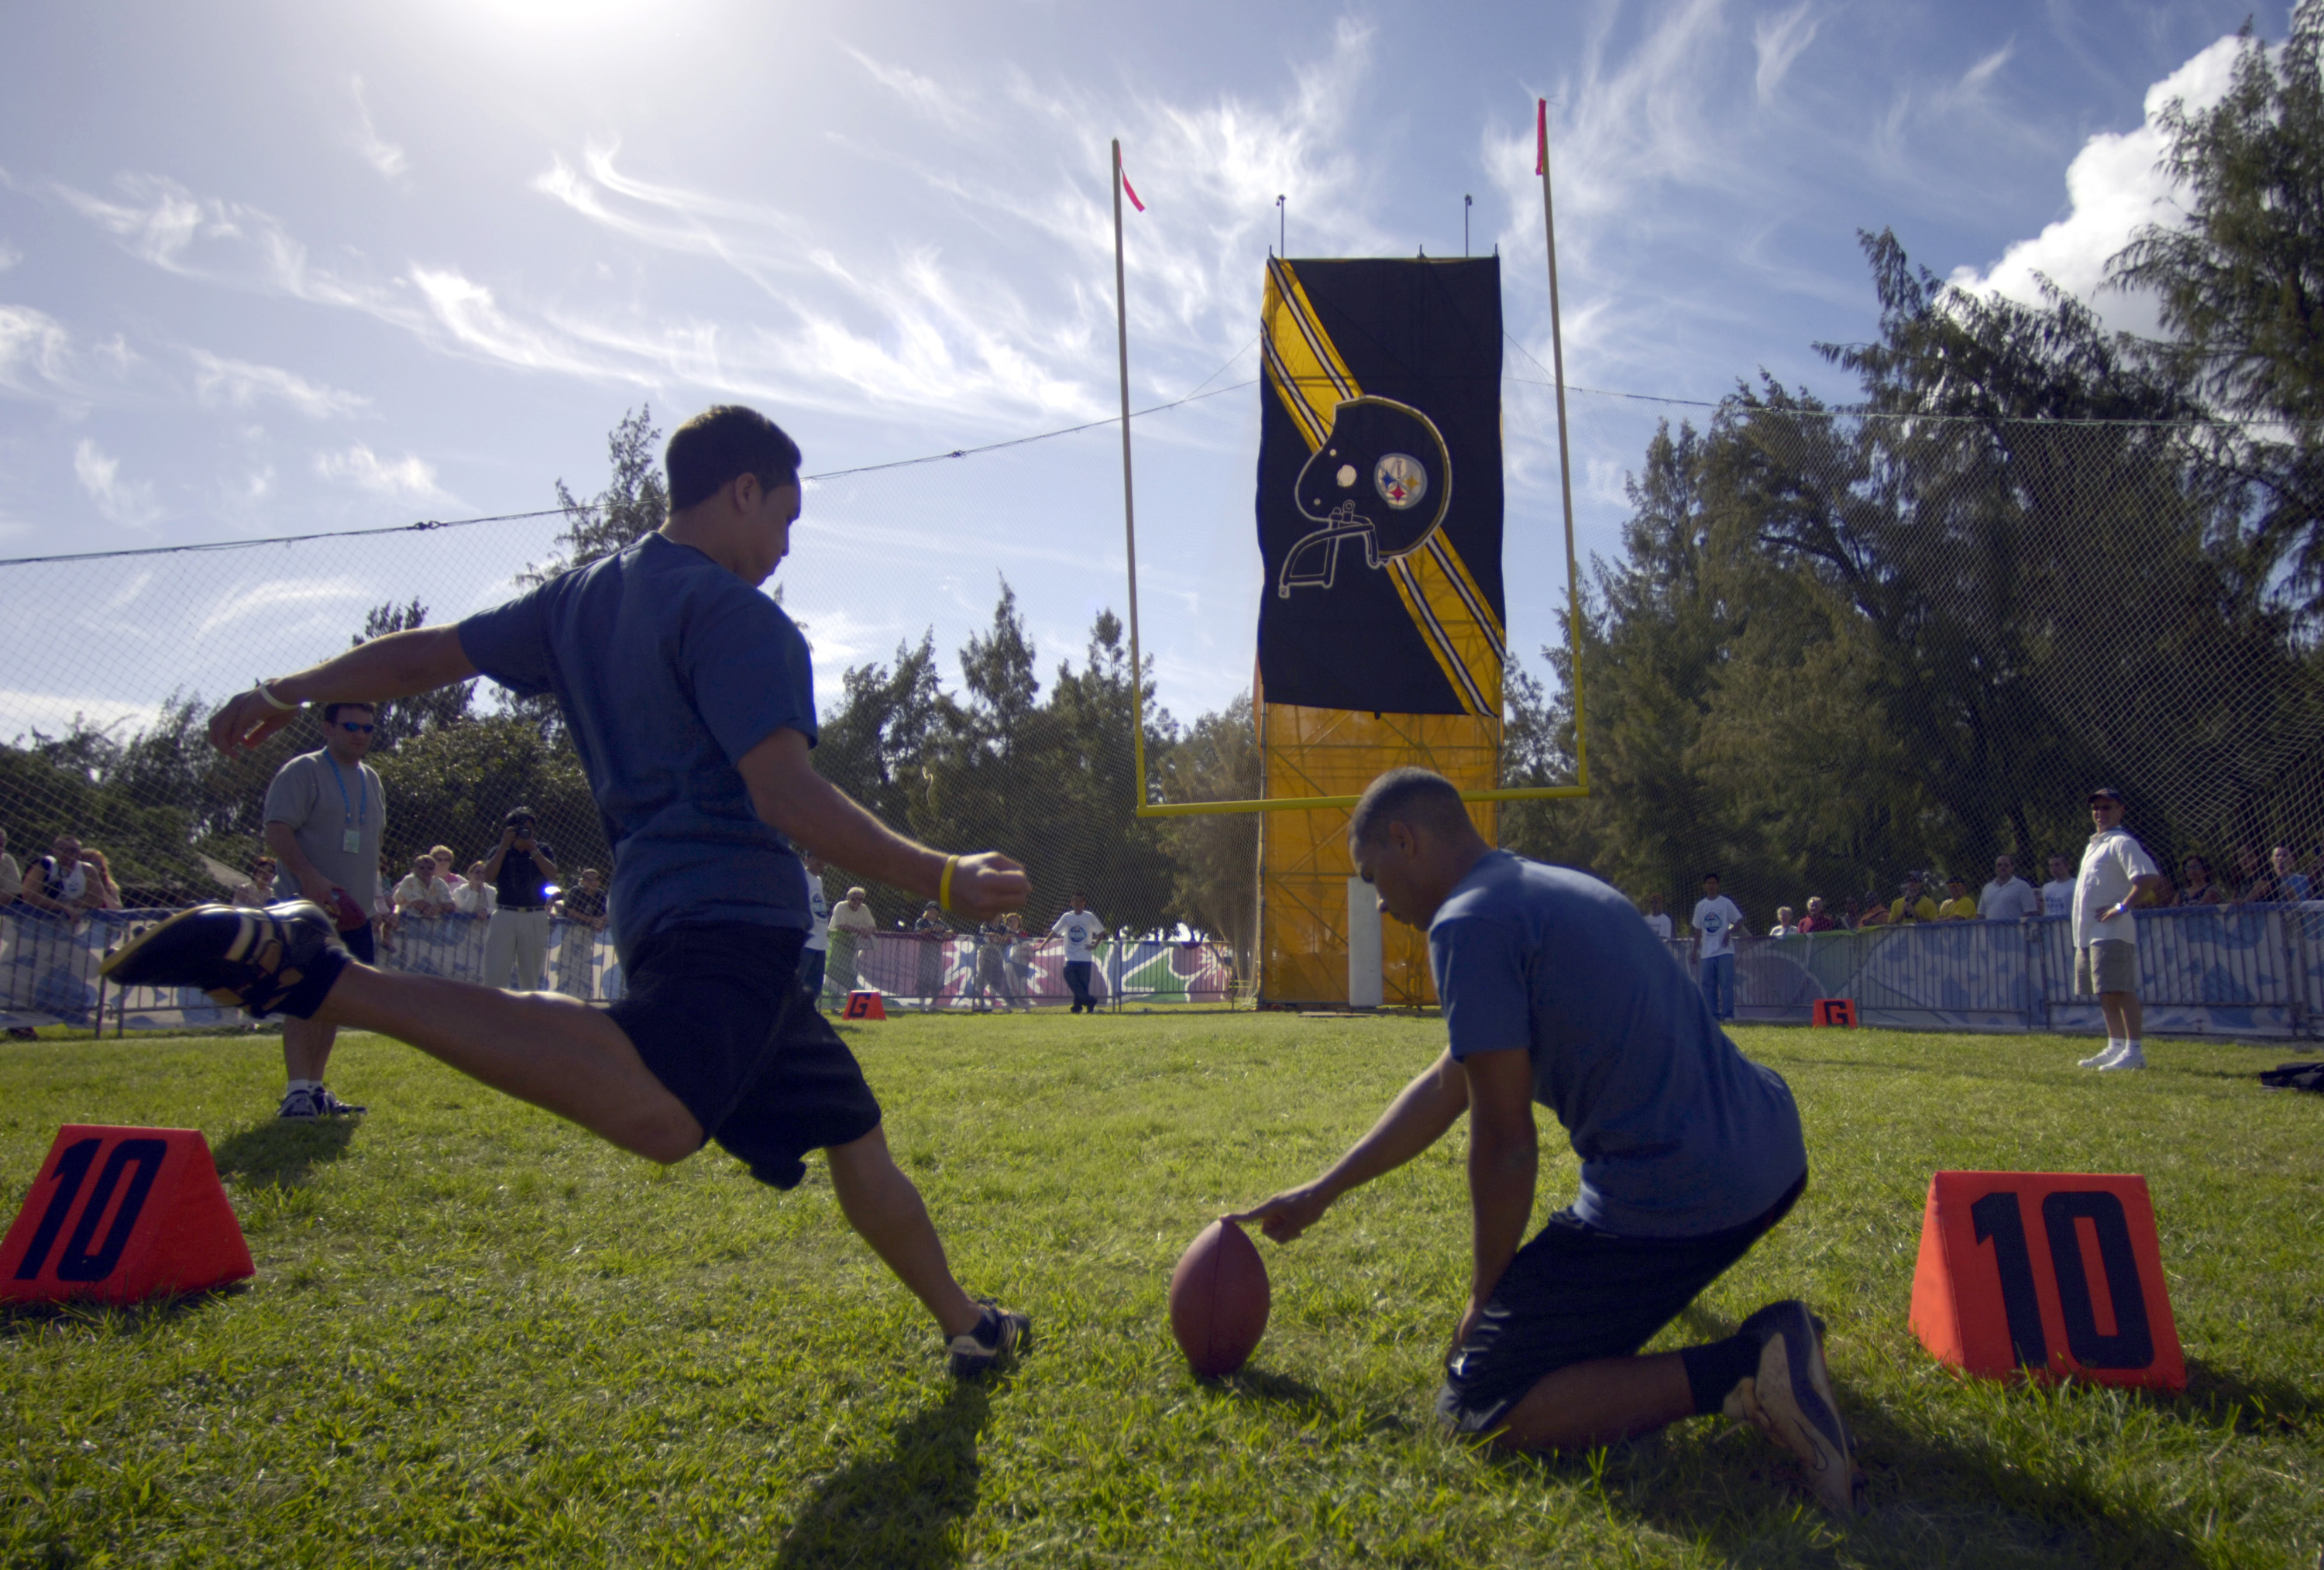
(2251, 972)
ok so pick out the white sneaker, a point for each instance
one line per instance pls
(2100, 1060)
(2132, 1057)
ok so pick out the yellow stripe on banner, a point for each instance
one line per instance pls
(1461, 647)
(1309, 375)
(1470, 595)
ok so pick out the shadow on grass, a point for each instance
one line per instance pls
(1297, 1398)
(2214, 1396)
(1932, 1504)
(1934, 1501)
(899, 1507)
(283, 1152)
(122, 1319)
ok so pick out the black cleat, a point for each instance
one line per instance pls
(1789, 1399)
(998, 1333)
(283, 958)
(329, 1106)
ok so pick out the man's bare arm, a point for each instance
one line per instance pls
(787, 792)
(398, 666)
(1504, 1158)
(1417, 1118)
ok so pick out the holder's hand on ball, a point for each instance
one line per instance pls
(987, 883)
(1289, 1213)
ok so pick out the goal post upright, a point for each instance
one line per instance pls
(1564, 453)
(1129, 493)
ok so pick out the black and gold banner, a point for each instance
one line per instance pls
(1379, 486)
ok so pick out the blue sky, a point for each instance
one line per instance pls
(276, 269)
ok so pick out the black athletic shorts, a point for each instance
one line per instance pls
(1577, 1292)
(716, 1011)
(359, 943)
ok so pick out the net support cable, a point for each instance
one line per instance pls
(1580, 787)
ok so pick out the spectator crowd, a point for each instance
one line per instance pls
(2279, 877)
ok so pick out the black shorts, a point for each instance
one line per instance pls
(716, 1011)
(361, 945)
(1577, 1292)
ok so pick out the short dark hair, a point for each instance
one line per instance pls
(331, 711)
(519, 815)
(720, 442)
(1712, 878)
(1418, 797)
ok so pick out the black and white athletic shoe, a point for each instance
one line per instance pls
(1789, 1399)
(299, 1106)
(330, 1105)
(1000, 1333)
(283, 957)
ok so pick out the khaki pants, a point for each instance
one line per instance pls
(518, 940)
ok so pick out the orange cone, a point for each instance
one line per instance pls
(120, 1213)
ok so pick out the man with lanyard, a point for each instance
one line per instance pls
(689, 697)
(520, 868)
(325, 818)
(1081, 929)
(1556, 995)
(816, 952)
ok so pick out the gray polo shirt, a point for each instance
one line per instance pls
(322, 802)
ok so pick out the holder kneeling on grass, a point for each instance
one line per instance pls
(1555, 991)
(690, 700)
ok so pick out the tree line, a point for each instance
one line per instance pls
(2034, 556)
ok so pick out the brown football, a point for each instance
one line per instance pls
(1218, 1300)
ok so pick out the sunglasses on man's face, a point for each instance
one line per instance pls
(359, 730)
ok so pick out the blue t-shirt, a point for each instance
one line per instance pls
(668, 668)
(1679, 1134)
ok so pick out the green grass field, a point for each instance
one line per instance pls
(478, 1336)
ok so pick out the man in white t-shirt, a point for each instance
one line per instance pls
(2009, 898)
(1716, 917)
(1658, 920)
(817, 952)
(2058, 894)
(2116, 874)
(1082, 931)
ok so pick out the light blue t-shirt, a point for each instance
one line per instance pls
(668, 668)
(1678, 1133)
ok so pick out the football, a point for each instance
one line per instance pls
(1219, 1300)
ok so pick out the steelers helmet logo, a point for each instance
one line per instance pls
(1400, 480)
(1411, 472)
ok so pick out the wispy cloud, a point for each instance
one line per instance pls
(408, 478)
(128, 502)
(35, 352)
(276, 597)
(378, 153)
(9, 256)
(1779, 41)
(220, 382)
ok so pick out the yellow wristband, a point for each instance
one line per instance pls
(943, 886)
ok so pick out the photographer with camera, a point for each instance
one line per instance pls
(520, 868)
